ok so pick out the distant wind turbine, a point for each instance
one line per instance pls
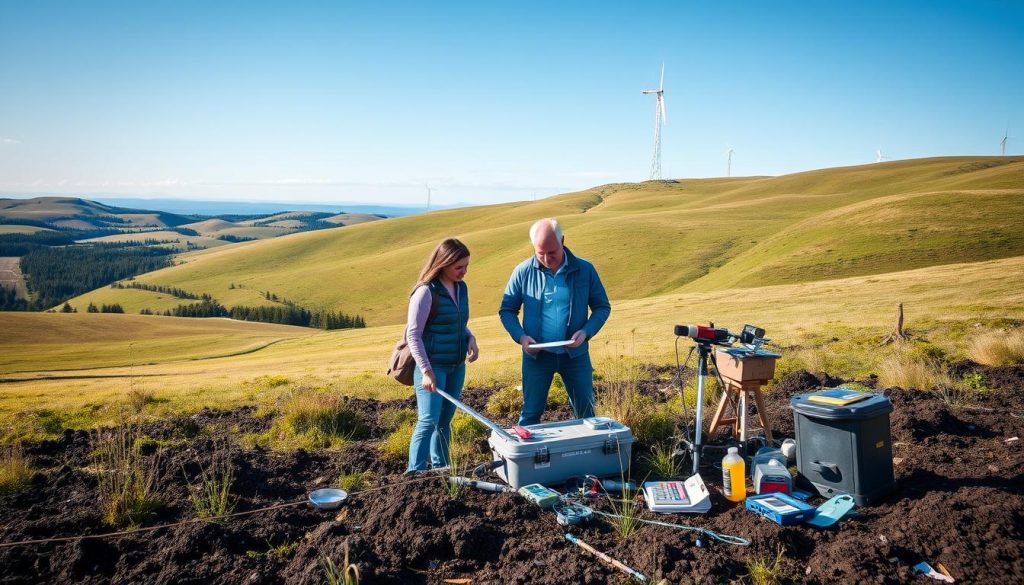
(878, 156)
(1002, 143)
(728, 165)
(659, 119)
(428, 196)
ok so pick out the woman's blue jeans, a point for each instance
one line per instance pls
(433, 430)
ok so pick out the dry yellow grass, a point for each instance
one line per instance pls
(904, 371)
(1003, 348)
(66, 363)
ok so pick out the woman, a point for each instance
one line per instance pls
(440, 343)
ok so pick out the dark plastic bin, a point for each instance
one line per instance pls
(845, 449)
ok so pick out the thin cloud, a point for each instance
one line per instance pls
(9, 141)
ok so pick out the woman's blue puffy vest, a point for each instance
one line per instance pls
(445, 335)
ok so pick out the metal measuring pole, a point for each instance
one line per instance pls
(483, 419)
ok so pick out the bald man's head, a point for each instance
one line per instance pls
(546, 236)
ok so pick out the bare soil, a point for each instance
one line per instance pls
(959, 501)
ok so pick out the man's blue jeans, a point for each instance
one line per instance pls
(433, 430)
(577, 373)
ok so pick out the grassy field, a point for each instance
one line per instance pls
(11, 276)
(181, 240)
(647, 239)
(77, 365)
(21, 229)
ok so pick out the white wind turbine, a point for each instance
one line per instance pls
(1002, 143)
(878, 156)
(659, 119)
(728, 164)
(429, 190)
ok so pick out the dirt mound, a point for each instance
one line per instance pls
(959, 501)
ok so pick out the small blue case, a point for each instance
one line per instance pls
(780, 508)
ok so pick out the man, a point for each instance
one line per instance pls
(554, 288)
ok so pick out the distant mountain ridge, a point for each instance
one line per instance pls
(199, 207)
(122, 224)
(74, 213)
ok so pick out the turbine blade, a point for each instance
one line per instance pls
(661, 84)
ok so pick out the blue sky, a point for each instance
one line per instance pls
(487, 101)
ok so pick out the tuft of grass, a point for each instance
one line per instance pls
(625, 513)
(766, 570)
(662, 462)
(953, 395)
(557, 394)
(505, 402)
(345, 574)
(211, 494)
(127, 478)
(15, 472)
(138, 399)
(618, 396)
(998, 349)
(282, 550)
(354, 480)
(317, 420)
(392, 419)
(396, 444)
(907, 371)
(466, 431)
(458, 466)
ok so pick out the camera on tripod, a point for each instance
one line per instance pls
(705, 337)
(751, 334)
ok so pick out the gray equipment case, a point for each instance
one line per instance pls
(845, 449)
(559, 450)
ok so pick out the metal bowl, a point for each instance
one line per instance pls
(327, 498)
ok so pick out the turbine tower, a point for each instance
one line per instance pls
(659, 119)
(1002, 143)
(728, 166)
(428, 196)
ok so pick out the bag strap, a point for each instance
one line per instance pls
(433, 303)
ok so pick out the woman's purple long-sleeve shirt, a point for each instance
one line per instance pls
(416, 321)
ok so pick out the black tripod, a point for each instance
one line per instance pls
(705, 355)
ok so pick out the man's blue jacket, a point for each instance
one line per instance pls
(526, 289)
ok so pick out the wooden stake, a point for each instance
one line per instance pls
(898, 334)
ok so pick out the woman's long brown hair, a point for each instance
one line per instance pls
(446, 253)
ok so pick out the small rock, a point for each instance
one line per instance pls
(893, 560)
(883, 539)
(1011, 440)
(807, 571)
(897, 460)
(993, 468)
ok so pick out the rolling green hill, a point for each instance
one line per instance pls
(646, 239)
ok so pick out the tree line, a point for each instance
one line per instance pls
(286, 315)
(57, 274)
(9, 300)
(167, 290)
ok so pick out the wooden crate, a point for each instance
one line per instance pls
(746, 368)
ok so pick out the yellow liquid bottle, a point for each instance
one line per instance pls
(734, 477)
